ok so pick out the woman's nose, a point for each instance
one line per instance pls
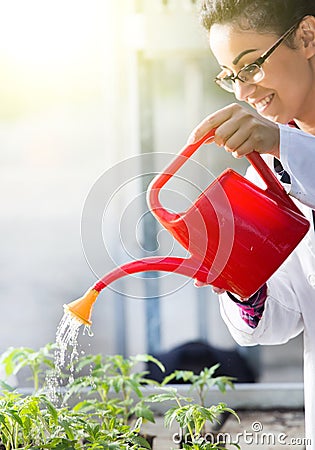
(243, 90)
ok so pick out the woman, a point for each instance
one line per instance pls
(266, 50)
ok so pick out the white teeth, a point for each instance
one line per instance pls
(264, 102)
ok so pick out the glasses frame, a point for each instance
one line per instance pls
(258, 62)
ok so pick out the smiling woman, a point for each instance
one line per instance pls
(266, 50)
(267, 74)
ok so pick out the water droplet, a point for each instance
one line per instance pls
(90, 332)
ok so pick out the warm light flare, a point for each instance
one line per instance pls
(51, 51)
(42, 32)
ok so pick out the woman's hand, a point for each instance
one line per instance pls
(216, 290)
(240, 131)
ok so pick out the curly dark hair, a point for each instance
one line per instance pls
(259, 15)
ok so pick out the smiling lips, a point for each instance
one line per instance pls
(262, 104)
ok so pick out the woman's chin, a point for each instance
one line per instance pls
(279, 118)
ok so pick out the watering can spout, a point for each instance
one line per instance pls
(81, 308)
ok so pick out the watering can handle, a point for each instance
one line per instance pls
(274, 187)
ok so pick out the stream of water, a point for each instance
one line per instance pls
(65, 354)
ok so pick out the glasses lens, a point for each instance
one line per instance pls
(225, 83)
(251, 74)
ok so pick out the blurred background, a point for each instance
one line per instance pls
(96, 97)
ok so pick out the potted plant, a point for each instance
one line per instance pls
(193, 415)
(114, 383)
(33, 421)
(38, 362)
(104, 405)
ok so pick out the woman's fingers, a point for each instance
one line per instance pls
(216, 290)
(198, 283)
(210, 122)
(240, 131)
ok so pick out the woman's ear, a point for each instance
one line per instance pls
(306, 35)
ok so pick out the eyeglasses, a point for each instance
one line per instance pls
(252, 73)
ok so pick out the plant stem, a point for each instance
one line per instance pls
(126, 398)
(190, 430)
(36, 382)
(201, 396)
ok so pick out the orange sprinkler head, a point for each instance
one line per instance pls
(82, 308)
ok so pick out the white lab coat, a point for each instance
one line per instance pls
(290, 306)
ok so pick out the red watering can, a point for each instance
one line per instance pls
(237, 234)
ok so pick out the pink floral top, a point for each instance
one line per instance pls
(252, 309)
